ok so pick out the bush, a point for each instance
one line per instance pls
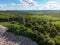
(13, 22)
(50, 42)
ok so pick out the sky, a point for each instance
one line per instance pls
(29, 4)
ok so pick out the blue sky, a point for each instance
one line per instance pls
(29, 4)
(8, 1)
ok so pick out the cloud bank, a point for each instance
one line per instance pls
(30, 5)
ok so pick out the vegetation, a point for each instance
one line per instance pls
(43, 28)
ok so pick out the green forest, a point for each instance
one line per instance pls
(41, 27)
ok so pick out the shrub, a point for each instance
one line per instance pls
(50, 42)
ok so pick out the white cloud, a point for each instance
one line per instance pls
(52, 5)
(3, 5)
(12, 4)
(28, 1)
(34, 5)
(30, 4)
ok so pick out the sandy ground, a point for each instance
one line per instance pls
(7, 38)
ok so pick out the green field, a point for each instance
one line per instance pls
(41, 27)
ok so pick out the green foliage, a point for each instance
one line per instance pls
(49, 42)
(43, 28)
